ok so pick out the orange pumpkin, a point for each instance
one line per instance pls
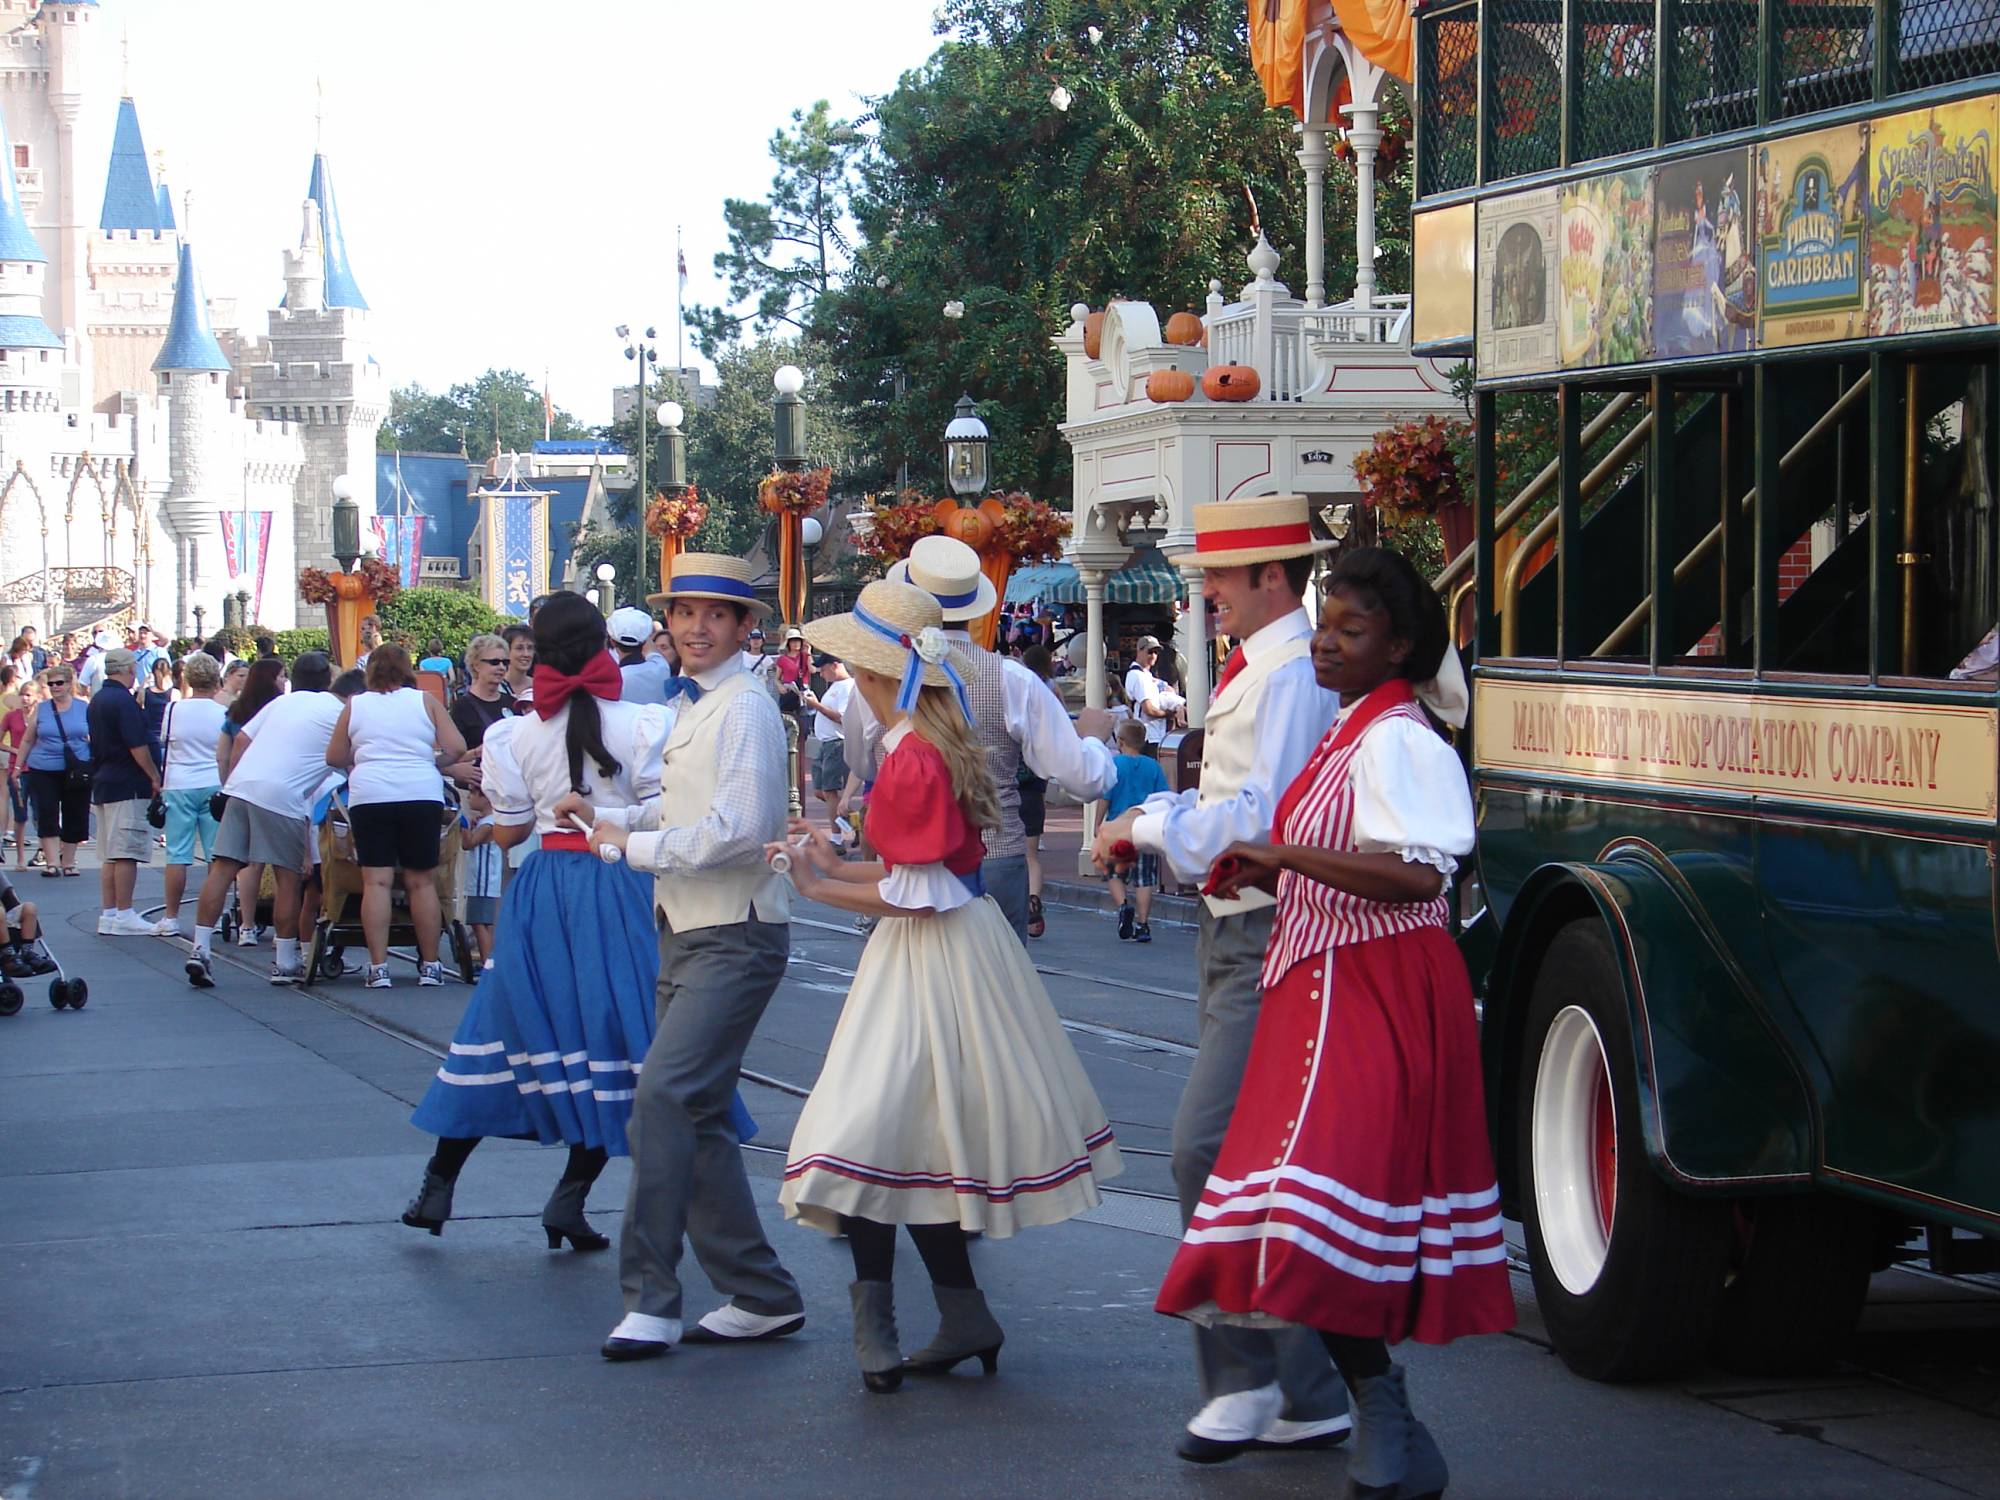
(1230, 383)
(965, 523)
(1093, 334)
(1169, 385)
(1185, 328)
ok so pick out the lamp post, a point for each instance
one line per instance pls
(606, 592)
(965, 444)
(350, 602)
(200, 630)
(811, 534)
(346, 524)
(673, 475)
(788, 418)
(647, 356)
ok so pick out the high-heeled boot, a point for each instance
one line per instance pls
(875, 1335)
(966, 1330)
(562, 1217)
(431, 1208)
(1379, 1459)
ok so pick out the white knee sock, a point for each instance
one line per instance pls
(203, 936)
(288, 953)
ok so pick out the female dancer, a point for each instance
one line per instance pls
(550, 1044)
(1355, 1190)
(950, 1099)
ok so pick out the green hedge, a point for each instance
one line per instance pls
(415, 616)
(292, 644)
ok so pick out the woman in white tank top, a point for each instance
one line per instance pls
(392, 739)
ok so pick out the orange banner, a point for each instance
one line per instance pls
(1278, 51)
(791, 567)
(1383, 31)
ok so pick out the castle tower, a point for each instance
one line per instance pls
(133, 262)
(30, 354)
(75, 45)
(318, 374)
(204, 463)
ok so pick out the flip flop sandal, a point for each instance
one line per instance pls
(1037, 925)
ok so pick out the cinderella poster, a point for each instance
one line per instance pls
(1704, 269)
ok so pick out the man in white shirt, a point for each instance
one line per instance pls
(829, 762)
(90, 676)
(646, 674)
(1154, 703)
(280, 767)
(1017, 716)
(1261, 1389)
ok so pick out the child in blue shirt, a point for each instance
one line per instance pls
(1139, 777)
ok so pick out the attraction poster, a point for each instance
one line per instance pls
(1704, 261)
(1812, 208)
(1606, 311)
(1518, 289)
(1444, 262)
(1931, 218)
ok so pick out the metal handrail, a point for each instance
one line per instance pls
(1684, 569)
(1510, 581)
(1537, 487)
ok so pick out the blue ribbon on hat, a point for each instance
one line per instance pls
(958, 601)
(913, 668)
(710, 583)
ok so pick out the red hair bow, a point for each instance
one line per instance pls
(600, 678)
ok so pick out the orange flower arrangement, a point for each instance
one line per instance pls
(801, 491)
(676, 515)
(378, 580)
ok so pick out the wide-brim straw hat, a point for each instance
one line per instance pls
(949, 571)
(711, 575)
(878, 633)
(1257, 529)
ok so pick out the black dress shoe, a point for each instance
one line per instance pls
(621, 1350)
(1201, 1450)
(701, 1333)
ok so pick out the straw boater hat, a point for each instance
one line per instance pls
(897, 630)
(948, 570)
(1259, 529)
(711, 575)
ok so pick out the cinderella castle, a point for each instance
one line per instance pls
(155, 460)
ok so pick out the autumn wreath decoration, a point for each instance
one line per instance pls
(799, 491)
(1029, 530)
(676, 516)
(896, 522)
(378, 582)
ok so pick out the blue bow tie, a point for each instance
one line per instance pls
(678, 685)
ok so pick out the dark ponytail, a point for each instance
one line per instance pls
(568, 633)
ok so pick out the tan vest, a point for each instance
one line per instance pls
(1229, 746)
(729, 893)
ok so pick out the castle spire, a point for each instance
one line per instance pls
(130, 200)
(17, 241)
(190, 341)
(341, 288)
(21, 323)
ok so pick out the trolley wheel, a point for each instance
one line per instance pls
(1797, 1280)
(11, 999)
(1628, 1272)
(461, 948)
(59, 994)
(334, 962)
(78, 993)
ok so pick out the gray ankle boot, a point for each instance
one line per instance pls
(431, 1208)
(1378, 1460)
(875, 1335)
(966, 1330)
(562, 1217)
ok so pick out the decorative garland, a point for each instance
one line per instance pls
(378, 581)
(676, 516)
(799, 491)
(1411, 468)
(1022, 527)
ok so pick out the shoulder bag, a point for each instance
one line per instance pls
(156, 810)
(76, 773)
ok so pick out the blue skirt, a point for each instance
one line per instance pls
(551, 1046)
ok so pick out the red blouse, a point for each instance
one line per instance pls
(913, 814)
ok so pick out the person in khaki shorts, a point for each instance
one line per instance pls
(123, 781)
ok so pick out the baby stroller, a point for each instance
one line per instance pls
(339, 924)
(31, 959)
(233, 922)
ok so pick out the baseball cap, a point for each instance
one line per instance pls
(1149, 643)
(795, 634)
(630, 626)
(120, 660)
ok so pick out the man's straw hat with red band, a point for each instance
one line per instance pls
(1257, 529)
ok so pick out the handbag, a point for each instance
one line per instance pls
(76, 773)
(156, 810)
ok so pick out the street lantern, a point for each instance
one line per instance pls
(346, 524)
(605, 595)
(965, 440)
(673, 447)
(647, 356)
(788, 418)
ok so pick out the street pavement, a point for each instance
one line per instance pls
(210, 1293)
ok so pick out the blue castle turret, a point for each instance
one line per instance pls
(190, 341)
(24, 336)
(131, 201)
(341, 288)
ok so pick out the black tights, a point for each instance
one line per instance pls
(1356, 1358)
(941, 1245)
(585, 1162)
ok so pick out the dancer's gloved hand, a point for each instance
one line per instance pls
(608, 834)
(572, 808)
(816, 849)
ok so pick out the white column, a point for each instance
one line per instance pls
(1194, 646)
(1364, 134)
(1313, 157)
(1094, 694)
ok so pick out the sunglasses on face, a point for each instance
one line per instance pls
(494, 661)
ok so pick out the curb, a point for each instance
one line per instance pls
(1094, 895)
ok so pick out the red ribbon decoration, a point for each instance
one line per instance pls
(1253, 536)
(600, 678)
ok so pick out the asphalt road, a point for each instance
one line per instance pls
(209, 1292)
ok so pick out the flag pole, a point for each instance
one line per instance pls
(680, 319)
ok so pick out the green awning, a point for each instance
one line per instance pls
(1147, 579)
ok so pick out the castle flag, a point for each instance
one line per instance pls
(246, 535)
(401, 540)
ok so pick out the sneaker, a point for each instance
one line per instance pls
(12, 967)
(246, 937)
(167, 927)
(378, 977)
(35, 959)
(131, 924)
(1125, 921)
(107, 924)
(200, 970)
(1143, 933)
(430, 975)
(296, 974)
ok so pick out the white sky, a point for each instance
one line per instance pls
(488, 154)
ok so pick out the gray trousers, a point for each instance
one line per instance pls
(687, 1164)
(1229, 957)
(1007, 883)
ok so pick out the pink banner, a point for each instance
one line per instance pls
(238, 544)
(402, 545)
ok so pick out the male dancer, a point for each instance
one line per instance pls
(724, 937)
(1262, 1389)
(1019, 719)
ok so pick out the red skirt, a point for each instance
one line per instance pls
(1355, 1190)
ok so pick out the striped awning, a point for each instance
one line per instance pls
(1147, 579)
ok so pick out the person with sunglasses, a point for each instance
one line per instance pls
(483, 704)
(56, 744)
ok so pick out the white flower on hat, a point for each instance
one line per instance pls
(931, 645)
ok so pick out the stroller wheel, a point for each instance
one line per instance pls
(11, 999)
(59, 994)
(78, 993)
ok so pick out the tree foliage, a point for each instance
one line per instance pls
(449, 615)
(786, 250)
(501, 403)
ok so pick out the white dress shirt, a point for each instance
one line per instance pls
(525, 765)
(1410, 795)
(750, 802)
(1041, 726)
(1142, 687)
(1292, 714)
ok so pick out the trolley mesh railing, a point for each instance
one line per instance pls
(1714, 69)
(1826, 54)
(1943, 41)
(1613, 102)
(1448, 98)
(1525, 110)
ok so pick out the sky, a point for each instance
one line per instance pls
(509, 172)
